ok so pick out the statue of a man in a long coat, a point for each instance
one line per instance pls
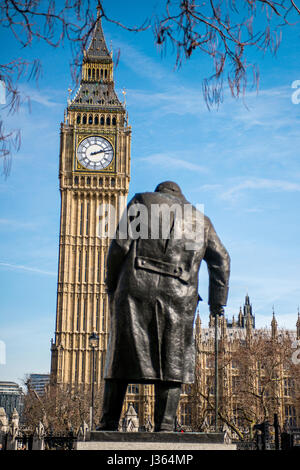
(152, 282)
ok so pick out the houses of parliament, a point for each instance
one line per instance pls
(94, 170)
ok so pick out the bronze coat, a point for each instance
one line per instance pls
(153, 290)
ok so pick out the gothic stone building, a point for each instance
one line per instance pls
(257, 376)
(274, 387)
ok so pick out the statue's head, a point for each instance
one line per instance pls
(168, 187)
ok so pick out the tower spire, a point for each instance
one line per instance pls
(240, 318)
(248, 316)
(99, 8)
(298, 325)
(98, 50)
(274, 325)
(198, 323)
(97, 82)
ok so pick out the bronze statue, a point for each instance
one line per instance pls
(152, 282)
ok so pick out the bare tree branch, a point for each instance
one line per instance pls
(53, 23)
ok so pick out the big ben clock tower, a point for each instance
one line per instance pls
(94, 172)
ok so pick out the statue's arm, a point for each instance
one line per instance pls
(114, 263)
(218, 264)
(118, 250)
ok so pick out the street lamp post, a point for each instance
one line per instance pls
(93, 340)
(218, 312)
(216, 375)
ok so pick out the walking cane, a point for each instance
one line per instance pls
(217, 312)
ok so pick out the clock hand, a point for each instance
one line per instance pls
(99, 151)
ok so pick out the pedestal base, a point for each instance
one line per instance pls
(112, 440)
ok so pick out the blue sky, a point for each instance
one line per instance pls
(241, 161)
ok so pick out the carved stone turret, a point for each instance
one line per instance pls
(274, 326)
(15, 419)
(3, 421)
(198, 324)
(298, 325)
(130, 421)
(240, 318)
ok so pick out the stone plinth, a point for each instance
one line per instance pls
(112, 440)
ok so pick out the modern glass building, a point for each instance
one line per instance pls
(11, 397)
(38, 382)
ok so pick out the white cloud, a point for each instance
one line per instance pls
(26, 268)
(269, 291)
(178, 100)
(170, 161)
(142, 64)
(259, 184)
(234, 190)
(209, 187)
(44, 97)
(16, 224)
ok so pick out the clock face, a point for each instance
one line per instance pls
(95, 153)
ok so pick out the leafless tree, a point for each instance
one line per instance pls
(60, 409)
(224, 30)
(257, 377)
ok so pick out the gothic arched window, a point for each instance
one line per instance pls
(102, 121)
(114, 121)
(90, 119)
(108, 121)
(96, 120)
(78, 118)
